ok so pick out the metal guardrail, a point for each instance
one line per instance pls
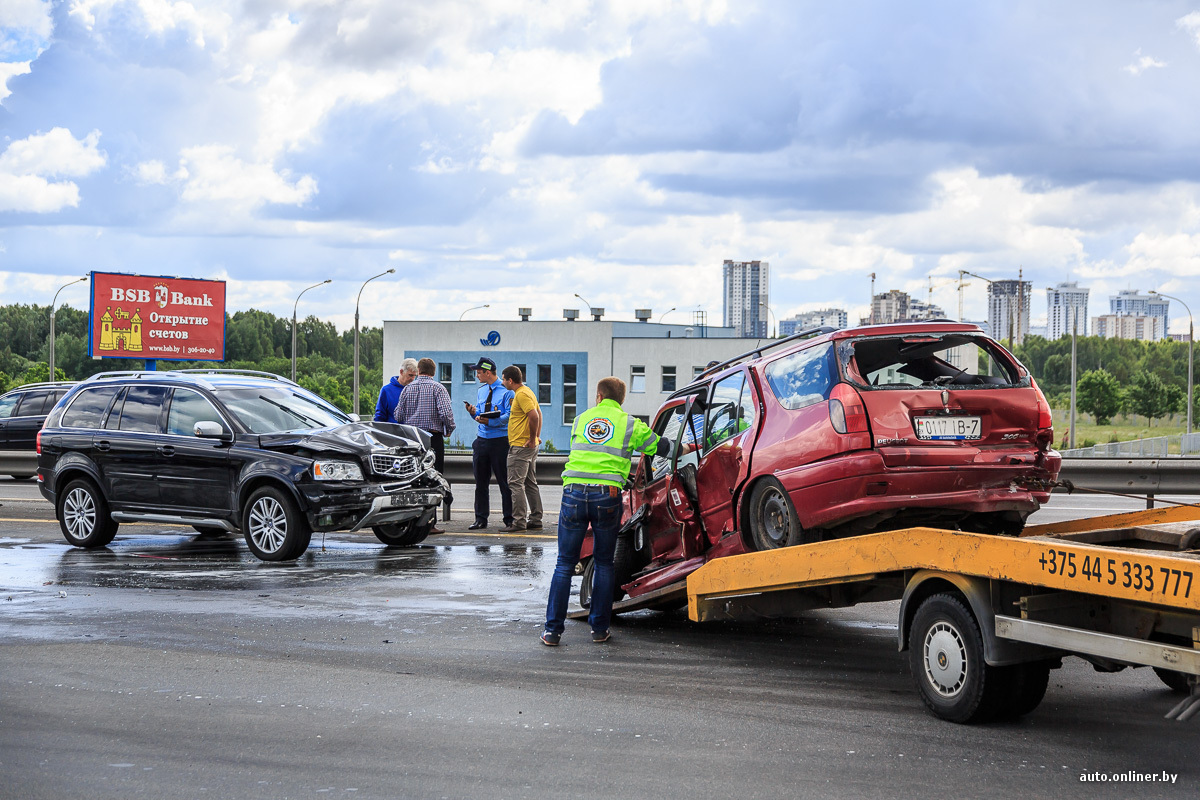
(1148, 476)
(1174, 446)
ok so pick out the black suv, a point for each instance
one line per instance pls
(225, 450)
(22, 412)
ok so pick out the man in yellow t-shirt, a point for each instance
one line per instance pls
(524, 427)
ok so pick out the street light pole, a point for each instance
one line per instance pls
(315, 285)
(1191, 344)
(53, 303)
(356, 301)
(1074, 361)
(664, 315)
(473, 308)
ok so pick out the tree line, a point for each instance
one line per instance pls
(254, 339)
(1147, 379)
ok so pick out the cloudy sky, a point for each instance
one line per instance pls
(516, 152)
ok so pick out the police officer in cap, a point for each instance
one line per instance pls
(489, 451)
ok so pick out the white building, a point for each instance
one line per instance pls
(1133, 303)
(1066, 307)
(1008, 310)
(891, 306)
(747, 290)
(562, 362)
(825, 317)
(1128, 326)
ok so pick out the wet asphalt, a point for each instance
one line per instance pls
(174, 665)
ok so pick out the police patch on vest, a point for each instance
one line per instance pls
(599, 430)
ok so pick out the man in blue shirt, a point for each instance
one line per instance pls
(489, 452)
(389, 395)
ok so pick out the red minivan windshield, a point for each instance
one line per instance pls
(956, 360)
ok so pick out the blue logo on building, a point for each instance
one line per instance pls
(492, 340)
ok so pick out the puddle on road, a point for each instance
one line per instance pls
(460, 573)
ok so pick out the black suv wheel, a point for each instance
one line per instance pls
(83, 515)
(274, 528)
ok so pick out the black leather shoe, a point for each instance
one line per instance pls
(477, 526)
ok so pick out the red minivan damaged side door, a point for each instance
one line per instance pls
(671, 528)
(731, 425)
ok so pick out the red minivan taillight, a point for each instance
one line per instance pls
(1045, 423)
(846, 410)
(39, 443)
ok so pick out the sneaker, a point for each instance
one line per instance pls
(601, 636)
(550, 639)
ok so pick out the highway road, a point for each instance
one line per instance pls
(171, 665)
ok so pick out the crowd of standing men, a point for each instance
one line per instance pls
(509, 420)
(506, 443)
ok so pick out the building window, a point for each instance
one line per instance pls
(696, 372)
(468, 373)
(637, 380)
(545, 375)
(668, 379)
(446, 376)
(568, 373)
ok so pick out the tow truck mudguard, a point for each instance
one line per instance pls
(997, 652)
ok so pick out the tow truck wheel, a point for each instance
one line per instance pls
(401, 534)
(274, 527)
(1176, 681)
(773, 520)
(83, 515)
(946, 657)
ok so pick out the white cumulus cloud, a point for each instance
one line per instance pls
(214, 172)
(1142, 63)
(28, 165)
(1191, 24)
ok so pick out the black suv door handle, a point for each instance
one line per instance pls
(166, 449)
(103, 446)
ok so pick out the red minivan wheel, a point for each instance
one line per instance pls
(773, 520)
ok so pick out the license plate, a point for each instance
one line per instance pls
(415, 499)
(942, 428)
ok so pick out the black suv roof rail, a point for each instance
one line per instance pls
(758, 351)
(125, 373)
(249, 372)
(42, 385)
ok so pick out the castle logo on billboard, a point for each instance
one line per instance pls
(138, 316)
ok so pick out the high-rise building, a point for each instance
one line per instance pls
(747, 295)
(1008, 310)
(1128, 326)
(891, 306)
(831, 317)
(1133, 303)
(918, 309)
(1066, 308)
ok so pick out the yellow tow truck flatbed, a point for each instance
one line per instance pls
(986, 617)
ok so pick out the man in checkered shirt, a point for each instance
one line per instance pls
(425, 403)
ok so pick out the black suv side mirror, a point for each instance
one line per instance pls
(207, 429)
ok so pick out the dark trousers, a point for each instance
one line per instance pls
(439, 452)
(490, 457)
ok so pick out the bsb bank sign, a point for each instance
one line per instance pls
(137, 316)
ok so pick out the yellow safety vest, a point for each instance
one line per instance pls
(603, 440)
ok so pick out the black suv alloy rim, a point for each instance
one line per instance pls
(268, 524)
(79, 512)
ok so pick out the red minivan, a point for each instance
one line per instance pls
(837, 433)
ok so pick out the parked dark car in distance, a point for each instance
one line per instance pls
(22, 412)
(225, 450)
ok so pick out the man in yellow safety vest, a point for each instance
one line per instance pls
(603, 440)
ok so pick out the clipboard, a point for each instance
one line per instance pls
(488, 415)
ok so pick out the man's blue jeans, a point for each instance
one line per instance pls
(582, 505)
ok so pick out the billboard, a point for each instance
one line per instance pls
(140, 316)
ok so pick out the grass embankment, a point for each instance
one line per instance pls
(1122, 428)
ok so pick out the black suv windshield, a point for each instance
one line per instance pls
(274, 409)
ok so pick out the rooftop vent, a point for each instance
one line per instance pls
(525, 314)
(570, 314)
(597, 313)
(642, 314)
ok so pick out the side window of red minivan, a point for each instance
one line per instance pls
(802, 379)
(725, 414)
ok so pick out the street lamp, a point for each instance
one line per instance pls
(356, 300)
(664, 315)
(771, 313)
(315, 285)
(1190, 345)
(52, 304)
(585, 302)
(473, 308)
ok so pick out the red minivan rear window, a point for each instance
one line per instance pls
(951, 360)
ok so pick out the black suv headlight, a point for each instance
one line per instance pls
(336, 471)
